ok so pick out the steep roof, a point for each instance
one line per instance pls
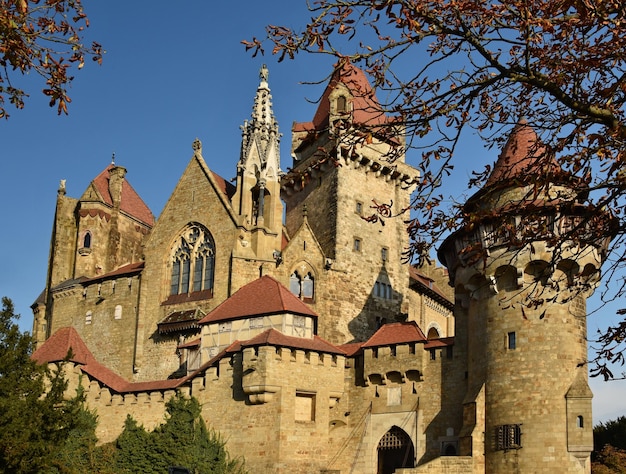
(272, 337)
(130, 203)
(523, 155)
(227, 188)
(366, 109)
(396, 333)
(56, 348)
(263, 296)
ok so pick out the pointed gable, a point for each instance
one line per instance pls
(260, 297)
(396, 333)
(130, 203)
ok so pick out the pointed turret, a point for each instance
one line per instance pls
(258, 170)
(523, 265)
(257, 198)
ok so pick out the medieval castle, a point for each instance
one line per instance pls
(309, 342)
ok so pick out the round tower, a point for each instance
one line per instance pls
(523, 265)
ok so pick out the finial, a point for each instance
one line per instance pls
(197, 146)
(61, 189)
(264, 73)
(305, 212)
(113, 158)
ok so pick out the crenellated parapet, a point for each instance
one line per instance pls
(268, 369)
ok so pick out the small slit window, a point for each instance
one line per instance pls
(511, 340)
(580, 422)
(356, 246)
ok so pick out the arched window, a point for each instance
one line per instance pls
(87, 240)
(193, 261)
(302, 287)
(433, 333)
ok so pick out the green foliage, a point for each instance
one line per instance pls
(36, 420)
(182, 440)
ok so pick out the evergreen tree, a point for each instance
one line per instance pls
(35, 417)
(182, 440)
(612, 432)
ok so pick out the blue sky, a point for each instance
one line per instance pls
(172, 72)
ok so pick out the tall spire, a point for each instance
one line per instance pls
(261, 130)
(257, 199)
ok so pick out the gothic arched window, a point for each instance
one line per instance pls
(87, 240)
(193, 261)
(302, 287)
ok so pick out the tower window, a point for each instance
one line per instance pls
(580, 422)
(356, 246)
(87, 240)
(358, 208)
(341, 104)
(508, 437)
(511, 340)
(193, 261)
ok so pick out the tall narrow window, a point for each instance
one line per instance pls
(87, 240)
(193, 261)
(341, 104)
(512, 342)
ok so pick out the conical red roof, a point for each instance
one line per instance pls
(523, 155)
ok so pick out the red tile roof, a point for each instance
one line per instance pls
(441, 342)
(272, 337)
(522, 155)
(396, 333)
(263, 296)
(56, 348)
(131, 203)
(351, 348)
(227, 188)
(366, 109)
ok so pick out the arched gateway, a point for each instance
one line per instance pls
(395, 450)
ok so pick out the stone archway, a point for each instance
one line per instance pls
(395, 450)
